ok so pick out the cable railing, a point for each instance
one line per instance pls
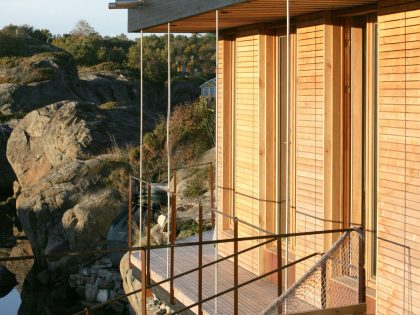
(145, 251)
(262, 240)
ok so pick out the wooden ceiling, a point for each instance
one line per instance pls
(253, 12)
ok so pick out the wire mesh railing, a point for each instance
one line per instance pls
(332, 282)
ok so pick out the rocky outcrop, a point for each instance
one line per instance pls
(102, 87)
(7, 176)
(29, 83)
(32, 82)
(25, 150)
(70, 209)
(98, 283)
(71, 188)
(62, 132)
(20, 268)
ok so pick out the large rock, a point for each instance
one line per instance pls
(32, 82)
(70, 209)
(7, 176)
(101, 87)
(71, 188)
(20, 268)
(25, 150)
(63, 132)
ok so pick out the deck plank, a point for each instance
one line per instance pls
(253, 298)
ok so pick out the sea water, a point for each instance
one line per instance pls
(9, 304)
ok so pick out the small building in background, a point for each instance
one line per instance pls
(208, 89)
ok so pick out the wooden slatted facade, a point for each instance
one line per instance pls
(355, 130)
(309, 131)
(243, 141)
(317, 140)
(398, 275)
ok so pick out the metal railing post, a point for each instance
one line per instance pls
(143, 282)
(280, 271)
(212, 194)
(129, 219)
(172, 236)
(200, 258)
(236, 268)
(361, 271)
(324, 286)
(149, 215)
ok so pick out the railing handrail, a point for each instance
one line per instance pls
(163, 246)
(176, 169)
(243, 222)
(98, 306)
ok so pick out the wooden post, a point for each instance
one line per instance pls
(212, 194)
(143, 282)
(87, 310)
(200, 258)
(173, 239)
(174, 182)
(129, 219)
(324, 286)
(236, 267)
(149, 215)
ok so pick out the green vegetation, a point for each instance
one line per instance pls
(196, 185)
(40, 67)
(189, 228)
(23, 41)
(5, 118)
(192, 128)
(192, 56)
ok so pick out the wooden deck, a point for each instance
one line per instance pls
(253, 298)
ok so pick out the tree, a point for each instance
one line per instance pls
(42, 34)
(83, 28)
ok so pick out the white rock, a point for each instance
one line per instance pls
(162, 221)
(102, 296)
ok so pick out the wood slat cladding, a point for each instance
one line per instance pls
(309, 130)
(251, 12)
(246, 138)
(239, 140)
(398, 281)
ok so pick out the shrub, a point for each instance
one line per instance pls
(197, 185)
(191, 130)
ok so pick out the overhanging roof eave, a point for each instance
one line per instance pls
(157, 12)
